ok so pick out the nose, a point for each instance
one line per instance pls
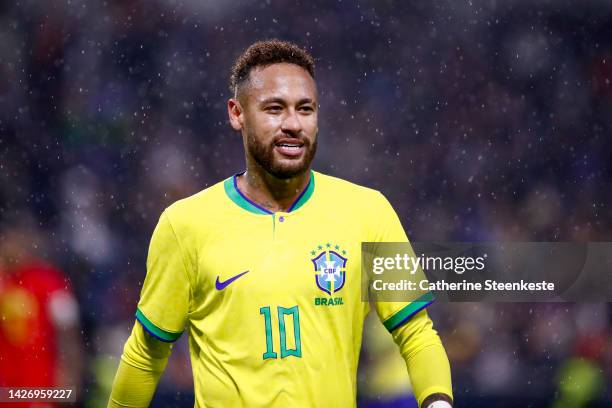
(291, 122)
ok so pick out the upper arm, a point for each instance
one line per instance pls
(165, 297)
(389, 229)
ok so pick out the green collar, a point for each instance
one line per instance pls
(234, 194)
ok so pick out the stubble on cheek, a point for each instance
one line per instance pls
(263, 154)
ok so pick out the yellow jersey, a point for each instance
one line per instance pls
(271, 301)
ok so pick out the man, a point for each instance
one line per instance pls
(263, 268)
(40, 342)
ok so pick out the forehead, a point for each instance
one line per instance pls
(286, 81)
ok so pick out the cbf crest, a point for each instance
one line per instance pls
(330, 267)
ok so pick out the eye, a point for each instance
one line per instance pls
(273, 108)
(306, 108)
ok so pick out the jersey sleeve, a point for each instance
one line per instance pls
(141, 365)
(425, 357)
(165, 297)
(389, 229)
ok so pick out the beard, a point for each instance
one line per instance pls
(264, 156)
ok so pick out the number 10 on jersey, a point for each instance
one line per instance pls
(283, 312)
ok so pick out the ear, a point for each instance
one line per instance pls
(235, 113)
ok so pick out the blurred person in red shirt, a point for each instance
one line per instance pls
(40, 344)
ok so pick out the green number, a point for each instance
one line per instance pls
(268, 321)
(282, 312)
(297, 351)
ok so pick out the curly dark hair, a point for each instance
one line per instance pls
(264, 53)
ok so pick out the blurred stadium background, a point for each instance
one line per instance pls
(480, 120)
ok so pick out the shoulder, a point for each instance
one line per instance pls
(189, 222)
(355, 204)
(348, 192)
(198, 206)
(193, 217)
(40, 278)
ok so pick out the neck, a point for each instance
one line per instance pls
(271, 192)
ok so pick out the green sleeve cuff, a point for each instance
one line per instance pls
(403, 315)
(155, 331)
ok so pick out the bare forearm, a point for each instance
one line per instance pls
(70, 364)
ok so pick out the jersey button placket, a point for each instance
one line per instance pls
(282, 219)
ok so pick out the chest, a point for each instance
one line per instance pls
(281, 257)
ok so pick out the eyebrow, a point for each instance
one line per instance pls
(283, 102)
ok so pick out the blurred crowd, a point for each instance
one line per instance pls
(479, 120)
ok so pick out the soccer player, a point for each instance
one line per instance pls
(263, 269)
(40, 342)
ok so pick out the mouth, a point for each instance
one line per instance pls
(290, 147)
